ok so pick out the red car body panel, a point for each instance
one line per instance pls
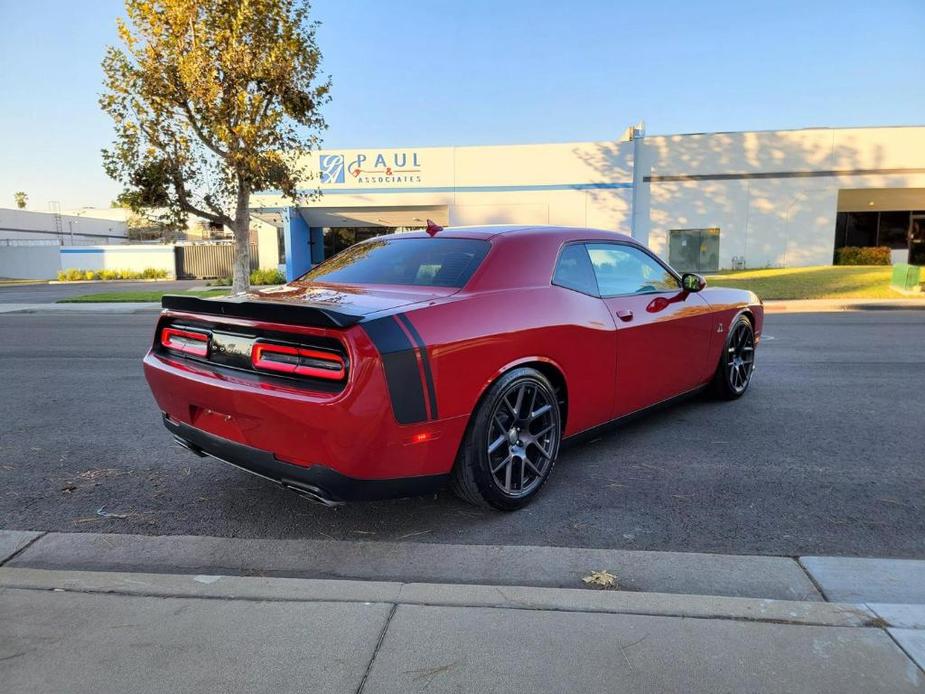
(434, 351)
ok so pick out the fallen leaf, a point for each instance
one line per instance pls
(602, 579)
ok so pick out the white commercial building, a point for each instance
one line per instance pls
(702, 201)
(32, 243)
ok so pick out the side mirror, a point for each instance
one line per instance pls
(692, 282)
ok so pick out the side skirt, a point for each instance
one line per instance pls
(607, 427)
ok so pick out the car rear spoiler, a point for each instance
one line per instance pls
(270, 311)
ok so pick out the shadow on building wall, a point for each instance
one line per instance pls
(772, 195)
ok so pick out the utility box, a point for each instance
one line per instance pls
(907, 278)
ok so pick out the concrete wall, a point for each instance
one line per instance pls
(267, 244)
(29, 262)
(123, 257)
(773, 195)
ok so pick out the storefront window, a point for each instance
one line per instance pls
(337, 239)
(894, 230)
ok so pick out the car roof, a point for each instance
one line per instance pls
(508, 230)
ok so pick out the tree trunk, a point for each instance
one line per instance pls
(242, 261)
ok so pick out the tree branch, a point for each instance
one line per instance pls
(207, 141)
(216, 217)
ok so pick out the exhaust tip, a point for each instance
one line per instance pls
(312, 493)
(183, 443)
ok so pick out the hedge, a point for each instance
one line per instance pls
(854, 255)
(75, 275)
(258, 277)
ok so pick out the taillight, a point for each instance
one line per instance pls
(186, 341)
(298, 361)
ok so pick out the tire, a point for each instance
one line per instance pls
(737, 361)
(506, 458)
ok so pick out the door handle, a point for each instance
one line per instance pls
(625, 316)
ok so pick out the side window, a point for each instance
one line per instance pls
(626, 270)
(573, 271)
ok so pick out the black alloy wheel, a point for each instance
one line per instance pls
(512, 443)
(737, 362)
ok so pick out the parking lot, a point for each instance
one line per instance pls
(824, 455)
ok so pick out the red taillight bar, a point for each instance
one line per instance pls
(186, 341)
(298, 361)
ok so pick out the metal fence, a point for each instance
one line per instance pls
(209, 260)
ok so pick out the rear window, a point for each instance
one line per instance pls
(431, 262)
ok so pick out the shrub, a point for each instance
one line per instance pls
(268, 276)
(74, 275)
(220, 282)
(854, 255)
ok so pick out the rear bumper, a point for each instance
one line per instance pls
(353, 433)
(317, 482)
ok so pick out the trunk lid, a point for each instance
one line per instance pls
(355, 300)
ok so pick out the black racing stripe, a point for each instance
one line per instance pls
(425, 362)
(387, 335)
(401, 369)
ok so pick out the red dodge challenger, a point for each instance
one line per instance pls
(459, 355)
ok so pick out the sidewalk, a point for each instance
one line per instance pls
(66, 629)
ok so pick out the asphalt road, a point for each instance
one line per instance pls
(50, 293)
(824, 455)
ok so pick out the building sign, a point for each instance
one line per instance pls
(332, 168)
(371, 168)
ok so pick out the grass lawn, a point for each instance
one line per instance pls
(822, 282)
(107, 297)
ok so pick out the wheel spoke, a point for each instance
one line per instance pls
(545, 451)
(507, 474)
(500, 465)
(518, 406)
(540, 412)
(500, 424)
(536, 470)
(496, 444)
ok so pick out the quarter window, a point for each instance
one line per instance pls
(626, 270)
(573, 271)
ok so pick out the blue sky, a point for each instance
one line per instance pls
(419, 72)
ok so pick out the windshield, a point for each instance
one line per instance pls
(430, 262)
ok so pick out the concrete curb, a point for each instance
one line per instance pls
(840, 305)
(12, 542)
(891, 589)
(504, 597)
(779, 578)
(855, 579)
(113, 307)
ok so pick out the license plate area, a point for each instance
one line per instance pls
(230, 349)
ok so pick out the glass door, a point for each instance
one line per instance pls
(917, 239)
